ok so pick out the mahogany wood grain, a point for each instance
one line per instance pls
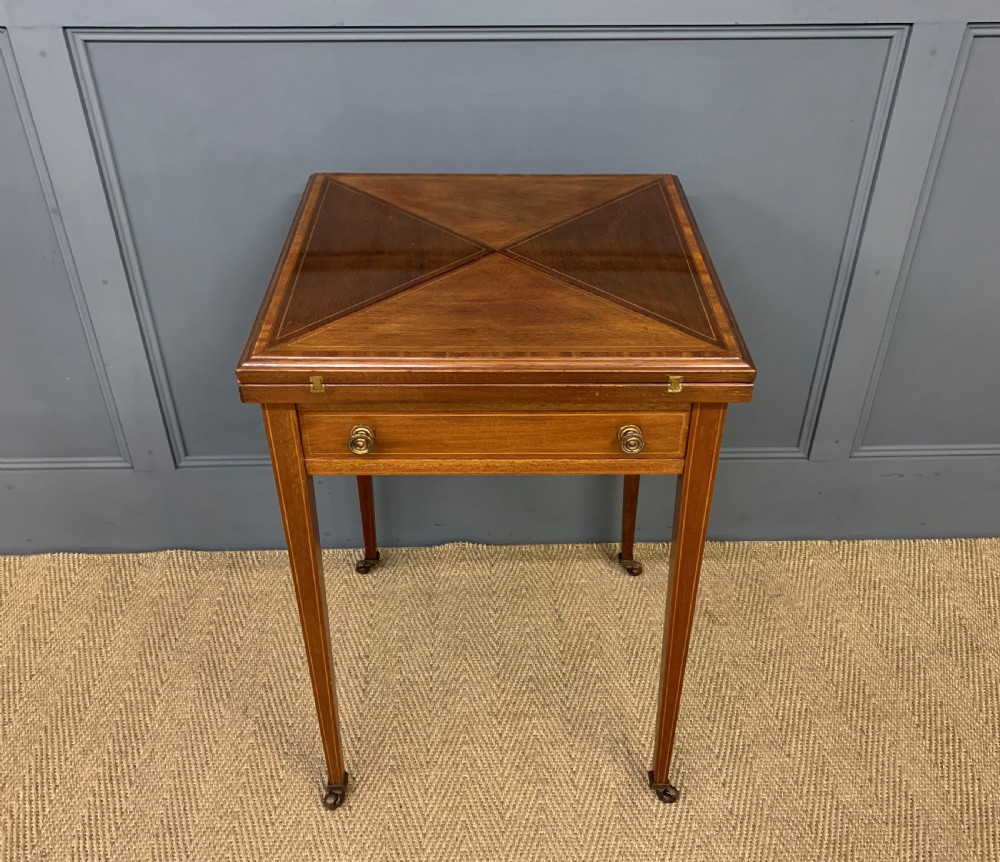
(471, 316)
(390, 273)
(298, 511)
(492, 397)
(503, 398)
(366, 498)
(477, 465)
(687, 544)
(377, 251)
(701, 261)
(497, 209)
(630, 503)
(628, 250)
(487, 324)
(514, 435)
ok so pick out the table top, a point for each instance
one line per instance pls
(421, 278)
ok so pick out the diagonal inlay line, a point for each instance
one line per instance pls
(576, 215)
(382, 248)
(496, 210)
(621, 250)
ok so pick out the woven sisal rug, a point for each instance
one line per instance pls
(842, 703)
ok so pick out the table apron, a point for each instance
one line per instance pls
(422, 443)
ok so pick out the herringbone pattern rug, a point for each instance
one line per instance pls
(842, 703)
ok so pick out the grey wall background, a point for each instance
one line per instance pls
(841, 158)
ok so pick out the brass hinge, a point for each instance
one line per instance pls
(675, 383)
(316, 383)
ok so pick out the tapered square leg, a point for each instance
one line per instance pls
(298, 512)
(630, 502)
(694, 499)
(366, 498)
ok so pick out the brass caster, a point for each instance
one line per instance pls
(364, 565)
(333, 795)
(631, 567)
(664, 792)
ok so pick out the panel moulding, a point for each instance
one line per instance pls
(80, 39)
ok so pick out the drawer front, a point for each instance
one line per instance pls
(412, 442)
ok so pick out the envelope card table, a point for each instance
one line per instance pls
(480, 324)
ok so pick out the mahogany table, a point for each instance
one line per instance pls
(478, 324)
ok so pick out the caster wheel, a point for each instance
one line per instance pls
(333, 796)
(664, 792)
(668, 794)
(364, 566)
(631, 567)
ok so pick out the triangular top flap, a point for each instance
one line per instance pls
(514, 308)
(630, 251)
(359, 250)
(481, 274)
(495, 209)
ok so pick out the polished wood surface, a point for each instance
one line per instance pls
(687, 544)
(374, 249)
(496, 397)
(298, 511)
(503, 398)
(512, 435)
(468, 315)
(497, 209)
(366, 500)
(478, 465)
(471, 278)
(630, 504)
(475, 324)
(624, 251)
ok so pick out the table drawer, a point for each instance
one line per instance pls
(501, 437)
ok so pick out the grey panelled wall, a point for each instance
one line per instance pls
(52, 405)
(838, 158)
(213, 207)
(951, 348)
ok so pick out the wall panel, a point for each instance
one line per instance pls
(207, 143)
(839, 156)
(936, 389)
(54, 406)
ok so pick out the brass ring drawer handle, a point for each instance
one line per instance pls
(362, 440)
(630, 436)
